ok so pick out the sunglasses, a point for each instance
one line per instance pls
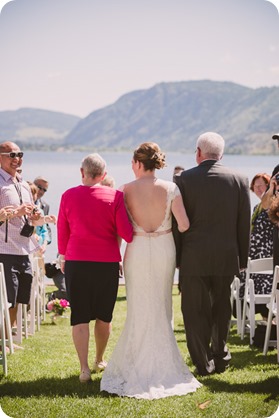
(41, 188)
(13, 154)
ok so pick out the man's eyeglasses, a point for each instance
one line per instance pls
(41, 188)
(13, 154)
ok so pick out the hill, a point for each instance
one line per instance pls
(35, 128)
(174, 114)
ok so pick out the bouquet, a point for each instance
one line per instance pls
(58, 306)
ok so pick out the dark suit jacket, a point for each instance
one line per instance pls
(217, 202)
(44, 206)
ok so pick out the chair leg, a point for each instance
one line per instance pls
(252, 322)
(3, 356)
(243, 318)
(25, 325)
(32, 311)
(238, 314)
(268, 327)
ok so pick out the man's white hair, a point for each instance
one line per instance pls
(211, 145)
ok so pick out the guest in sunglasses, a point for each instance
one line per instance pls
(42, 185)
(16, 239)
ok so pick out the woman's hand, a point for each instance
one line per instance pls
(61, 262)
(50, 219)
(120, 270)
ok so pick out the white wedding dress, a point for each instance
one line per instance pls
(146, 362)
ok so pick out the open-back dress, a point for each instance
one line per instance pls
(146, 362)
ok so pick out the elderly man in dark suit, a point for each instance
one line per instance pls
(211, 252)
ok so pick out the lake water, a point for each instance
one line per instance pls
(62, 171)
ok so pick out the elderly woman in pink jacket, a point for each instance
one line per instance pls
(92, 220)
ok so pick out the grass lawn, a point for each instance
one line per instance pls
(43, 380)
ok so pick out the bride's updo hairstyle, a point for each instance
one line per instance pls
(150, 155)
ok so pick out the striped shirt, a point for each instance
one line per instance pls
(16, 243)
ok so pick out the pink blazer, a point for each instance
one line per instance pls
(89, 221)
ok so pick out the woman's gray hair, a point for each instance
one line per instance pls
(93, 165)
(211, 145)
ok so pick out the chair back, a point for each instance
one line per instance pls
(260, 265)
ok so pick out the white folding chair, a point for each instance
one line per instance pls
(273, 309)
(235, 288)
(37, 299)
(5, 323)
(262, 266)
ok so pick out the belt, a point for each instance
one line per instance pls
(152, 234)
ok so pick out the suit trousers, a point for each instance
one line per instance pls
(206, 309)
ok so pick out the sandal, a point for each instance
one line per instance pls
(99, 366)
(85, 376)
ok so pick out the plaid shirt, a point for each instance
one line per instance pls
(17, 244)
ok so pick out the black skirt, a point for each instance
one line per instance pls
(92, 288)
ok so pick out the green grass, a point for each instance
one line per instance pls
(43, 380)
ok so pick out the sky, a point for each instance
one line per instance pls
(77, 56)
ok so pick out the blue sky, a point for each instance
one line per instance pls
(76, 56)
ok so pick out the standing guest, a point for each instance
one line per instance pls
(267, 200)
(92, 220)
(211, 252)
(41, 232)
(177, 171)
(16, 239)
(146, 363)
(261, 242)
(42, 185)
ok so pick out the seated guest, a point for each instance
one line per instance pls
(54, 272)
(261, 242)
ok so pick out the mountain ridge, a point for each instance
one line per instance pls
(173, 114)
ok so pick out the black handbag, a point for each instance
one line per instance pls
(27, 230)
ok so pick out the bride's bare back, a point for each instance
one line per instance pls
(146, 200)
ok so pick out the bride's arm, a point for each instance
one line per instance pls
(180, 214)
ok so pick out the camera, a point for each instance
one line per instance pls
(27, 230)
(277, 178)
(35, 210)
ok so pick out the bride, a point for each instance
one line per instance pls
(146, 362)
